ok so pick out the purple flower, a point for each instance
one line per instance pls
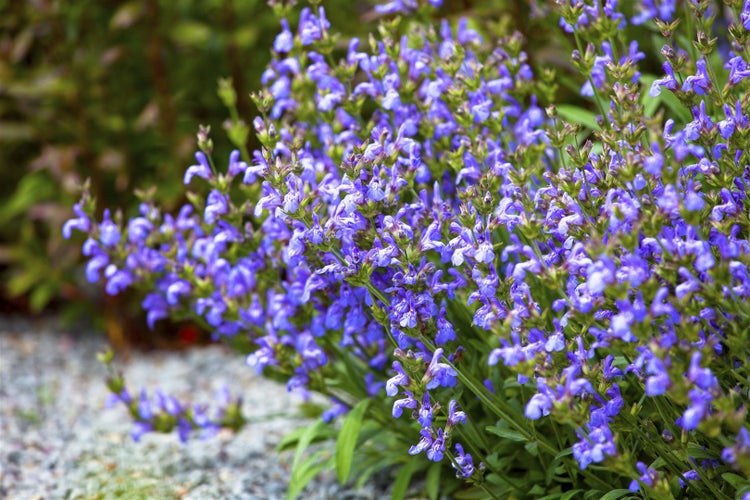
(400, 404)
(139, 429)
(694, 201)
(658, 382)
(691, 475)
(650, 9)
(700, 83)
(436, 450)
(594, 446)
(117, 279)
(176, 289)
(284, 41)
(740, 450)
(738, 69)
(81, 222)
(336, 410)
(424, 416)
(439, 374)
(109, 233)
(400, 379)
(216, 205)
(600, 274)
(156, 308)
(423, 444)
(202, 169)
(464, 464)
(144, 406)
(455, 416)
(668, 82)
(700, 404)
(139, 228)
(538, 406)
(648, 477)
(311, 28)
(445, 331)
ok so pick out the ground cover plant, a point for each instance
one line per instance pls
(549, 297)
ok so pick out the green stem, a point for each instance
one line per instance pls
(579, 44)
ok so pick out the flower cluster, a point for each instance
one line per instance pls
(423, 217)
(162, 412)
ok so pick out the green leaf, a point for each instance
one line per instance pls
(570, 494)
(42, 295)
(307, 437)
(574, 114)
(536, 491)
(592, 494)
(502, 430)
(433, 481)
(304, 472)
(291, 438)
(737, 481)
(615, 494)
(532, 447)
(31, 190)
(553, 496)
(403, 478)
(348, 439)
(651, 104)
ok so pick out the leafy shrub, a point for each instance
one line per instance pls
(550, 300)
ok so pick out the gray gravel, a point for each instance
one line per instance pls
(57, 440)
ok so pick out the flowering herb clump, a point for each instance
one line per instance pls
(553, 301)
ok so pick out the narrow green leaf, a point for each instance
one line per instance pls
(553, 496)
(506, 433)
(433, 481)
(615, 494)
(658, 463)
(571, 494)
(575, 114)
(403, 478)
(307, 437)
(592, 494)
(348, 439)
(291, 439)
(305, 472)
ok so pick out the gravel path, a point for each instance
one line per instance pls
(58, 441)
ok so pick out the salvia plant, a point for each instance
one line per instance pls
(551, 301)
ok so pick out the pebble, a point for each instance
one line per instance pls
(57, 439)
